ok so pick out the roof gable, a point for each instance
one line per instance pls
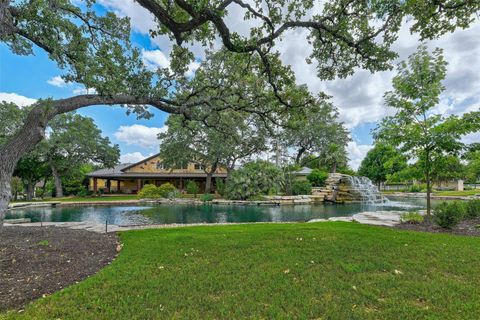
(140, 163)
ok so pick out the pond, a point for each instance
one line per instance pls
(184, 214)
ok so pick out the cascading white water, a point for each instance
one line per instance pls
(367, 190)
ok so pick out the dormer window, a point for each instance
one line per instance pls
(198, 166)
(160, 166)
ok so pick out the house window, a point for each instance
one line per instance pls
(198, 166)
(160, 165)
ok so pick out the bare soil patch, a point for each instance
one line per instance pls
(470, 227)
(37, 261)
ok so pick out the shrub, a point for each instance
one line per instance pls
(301, 187)
(415, 188)
(220, 186)
(206, 197)
(149, 191)
(449, 214)
(472, 209)
(412, 217)
(254, 178)
(174, 194)
(82, 192)
(192, 187)
(165, 189)
(317, 177)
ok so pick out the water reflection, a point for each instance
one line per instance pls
(182, 214)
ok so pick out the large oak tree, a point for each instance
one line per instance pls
(95, 51)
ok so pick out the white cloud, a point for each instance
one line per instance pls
(356, 153)
(19, 100)
(57, 81)
(133, 157)
(140, 135)
(154, 59)
(81, 90)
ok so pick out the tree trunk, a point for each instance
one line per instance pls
(334, 167)
(427, 178)
(300, 153)
(208, 183)
(30, 190)
(58, 182)
(5, 192)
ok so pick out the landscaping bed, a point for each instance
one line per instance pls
(37, 261)
(469, 227)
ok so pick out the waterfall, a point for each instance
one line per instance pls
(366, 189)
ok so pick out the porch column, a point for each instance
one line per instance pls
(118, 185)
(139, 185)
(95, 184)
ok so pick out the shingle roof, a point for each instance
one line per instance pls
(117, 173)
(109, 171)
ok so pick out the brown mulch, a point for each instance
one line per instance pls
(37, 261)
(469, 227)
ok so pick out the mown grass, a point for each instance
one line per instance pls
(457, 193)
(330, 270)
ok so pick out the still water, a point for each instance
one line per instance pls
(183, 214)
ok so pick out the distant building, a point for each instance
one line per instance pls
(130, 178)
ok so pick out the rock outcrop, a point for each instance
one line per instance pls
(341, 188)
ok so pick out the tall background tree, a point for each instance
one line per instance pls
(95, 49)
(382, 162)
(74, 141)
(420, 133)
(316, 131)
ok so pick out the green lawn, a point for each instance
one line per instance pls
(457, 193)
(87, 199)
(104, 198)
(328, 270)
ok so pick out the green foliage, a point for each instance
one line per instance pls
(43, 243)
(220, 186)
(415, 188)
(317, 177)
(207, 197)
(422, 134)
(382, 161)
(254, 178)
(11, 119)
(16, 186)
(301, 187)
(449, 214)
(412, 217)
(472, 209)
(166, 189)
(192, 187)
(316, 130)
(149, 191)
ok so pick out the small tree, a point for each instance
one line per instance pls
(192, 187)
(420, 133)
(17, 186)
(254, 179)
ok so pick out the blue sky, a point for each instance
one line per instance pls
(359, 97)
